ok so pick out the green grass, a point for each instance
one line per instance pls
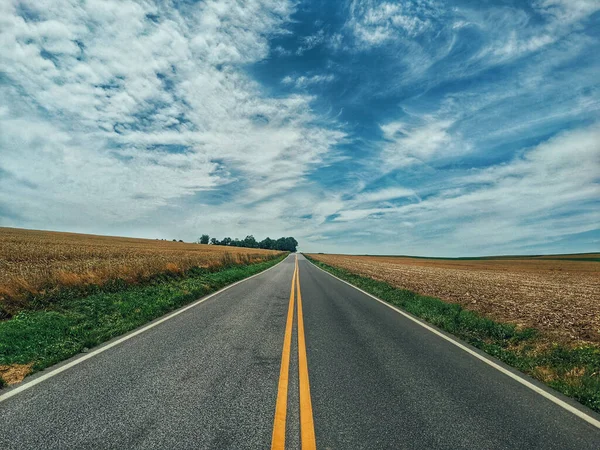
(573, 371)
(67, 325)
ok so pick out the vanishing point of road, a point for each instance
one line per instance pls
(291, 358)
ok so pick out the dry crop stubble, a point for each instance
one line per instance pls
(560, 297)
(34, 263)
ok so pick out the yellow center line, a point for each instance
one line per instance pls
(307, 426)
(278, 440)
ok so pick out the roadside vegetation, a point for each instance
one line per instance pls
(55, 328)
(573, 370)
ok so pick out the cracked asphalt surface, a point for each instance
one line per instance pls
(207, 379)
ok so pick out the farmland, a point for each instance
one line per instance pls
(557, 295)
(36, 264)
(61, 293)
(539, 315)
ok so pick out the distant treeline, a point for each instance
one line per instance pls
(287, 244)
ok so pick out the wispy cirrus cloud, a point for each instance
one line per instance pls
(118, 109)
(505, 207)
(384, 194)
(422, 127)
(421, 143)
(567, 11)
(305, 81)
(311, 41)
(375, 22)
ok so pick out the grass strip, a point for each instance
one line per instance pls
(573, 371)
(69, 326)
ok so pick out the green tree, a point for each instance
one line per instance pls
(286, 244)
(267, 243)
(204, 239)
(250, 242)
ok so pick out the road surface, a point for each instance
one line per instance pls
(240, 370)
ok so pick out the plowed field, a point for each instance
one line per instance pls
(559, 297)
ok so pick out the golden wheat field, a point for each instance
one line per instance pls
(555, 294)
(32, 262)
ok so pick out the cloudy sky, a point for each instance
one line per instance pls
(423, 127)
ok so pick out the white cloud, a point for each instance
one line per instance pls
(423, 33)
(135, 116)
(312, 41)
(304, 81)
(96, 92)
(429, 139)
(382, 195)
(507, 207)
(280, 51)
(374, 23)
(512, 33)
(335, 42)
(568, 11)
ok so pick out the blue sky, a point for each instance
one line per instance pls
(423, 127)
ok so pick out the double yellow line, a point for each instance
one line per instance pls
(307, 426)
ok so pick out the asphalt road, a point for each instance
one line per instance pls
(211, 377)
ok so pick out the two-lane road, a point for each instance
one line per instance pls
(342, 370)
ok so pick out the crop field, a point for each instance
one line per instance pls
(36, 263)
(557, 295)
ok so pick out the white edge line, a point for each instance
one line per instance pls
(105, 347)
(589, 419)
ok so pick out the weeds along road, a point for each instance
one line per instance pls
(244, 369)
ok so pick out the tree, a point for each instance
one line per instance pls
(204, 239)
(250, 242)
(280, 244)
(291, 244)
(286, 244)
(266, 243)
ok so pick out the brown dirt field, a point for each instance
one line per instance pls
(35, 261)
(558, 297)
(578, 256)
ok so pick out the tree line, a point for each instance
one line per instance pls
(287, 244)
